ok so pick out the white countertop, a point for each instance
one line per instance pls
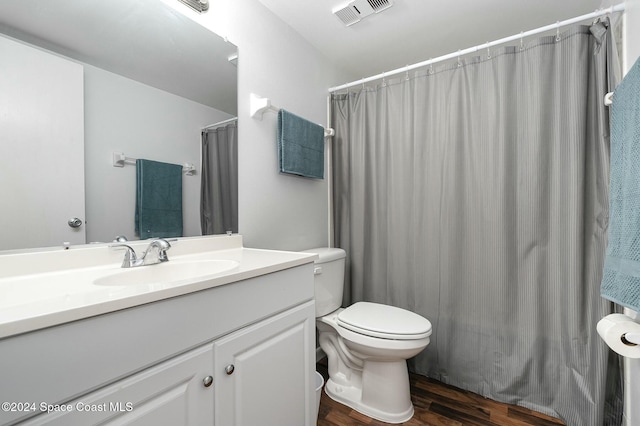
(43, 289)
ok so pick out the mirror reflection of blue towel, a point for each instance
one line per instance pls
(621, 277)
(158, 199)
(300, 146)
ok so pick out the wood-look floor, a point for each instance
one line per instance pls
(437, 404)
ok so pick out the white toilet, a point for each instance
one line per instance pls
(367, 345)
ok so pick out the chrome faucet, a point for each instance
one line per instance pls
(159, 247)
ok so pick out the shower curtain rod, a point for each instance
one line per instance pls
(459, 53)
(231, 120)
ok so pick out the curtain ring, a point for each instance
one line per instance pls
(384, 81)
(558, 31)
(595, 20)
(406, 73)
(521, 40)
(488, 51)
(459, 62)
(430, 65)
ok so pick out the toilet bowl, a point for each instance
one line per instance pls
(367, 345)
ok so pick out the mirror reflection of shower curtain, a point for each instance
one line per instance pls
(219, 189)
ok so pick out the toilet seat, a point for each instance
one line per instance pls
(383, 321)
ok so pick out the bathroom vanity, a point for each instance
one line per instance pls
(84, 342)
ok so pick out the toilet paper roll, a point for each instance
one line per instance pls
(613, 330)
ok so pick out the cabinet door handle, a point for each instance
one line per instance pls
(208, 381)
(229, 369)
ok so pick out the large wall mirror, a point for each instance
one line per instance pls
(81, 80)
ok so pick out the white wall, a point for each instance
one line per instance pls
(143, 122)
(631, 367)
(275, 211)
(631, 33)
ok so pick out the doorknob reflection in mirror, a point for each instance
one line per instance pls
(75, 222)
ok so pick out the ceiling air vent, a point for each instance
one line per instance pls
(379, 5)
(197, 5)
(347, 15)
(358, 9)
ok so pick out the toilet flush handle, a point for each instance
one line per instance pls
(317, 270)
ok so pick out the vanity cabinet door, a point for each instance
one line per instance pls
(264, 373)
(176, 392)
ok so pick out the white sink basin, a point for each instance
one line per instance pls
(166, 273)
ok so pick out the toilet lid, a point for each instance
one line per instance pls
(387, 322)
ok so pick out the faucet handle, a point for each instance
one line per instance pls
(162, 243)
(129, 257)
(163, 246)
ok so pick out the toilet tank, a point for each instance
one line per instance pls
(328, 279)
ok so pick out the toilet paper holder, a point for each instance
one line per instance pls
(630, 339)
(621, 333)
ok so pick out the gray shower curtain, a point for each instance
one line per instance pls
(475, 194)
(219, 184)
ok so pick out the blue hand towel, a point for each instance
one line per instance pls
(300, 146)
(621, 278)
(158, 199)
